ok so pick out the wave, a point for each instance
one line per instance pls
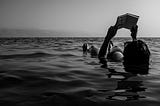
(36, 55)
(32, 55)
(68, 55)
(61, 75)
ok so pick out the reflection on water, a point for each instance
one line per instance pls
(126, 89)
(53, 71)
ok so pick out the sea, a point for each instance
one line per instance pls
(53, 71)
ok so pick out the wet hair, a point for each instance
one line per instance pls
(136, 56)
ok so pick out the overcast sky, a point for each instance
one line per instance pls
(93, 16)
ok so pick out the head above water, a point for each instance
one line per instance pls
(93, 51)
(115, 54)
(136, 56)
(136, 53)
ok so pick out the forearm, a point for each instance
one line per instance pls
(103, 49)
(110, 34)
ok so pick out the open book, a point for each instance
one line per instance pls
(127, 21)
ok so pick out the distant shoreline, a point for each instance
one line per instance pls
(76, 37)
(38, 33)
(2, 36)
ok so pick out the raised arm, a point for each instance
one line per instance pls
(134, 32)
(110, 34)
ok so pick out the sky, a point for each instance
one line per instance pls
(91, 16)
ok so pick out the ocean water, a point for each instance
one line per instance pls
(55, 72)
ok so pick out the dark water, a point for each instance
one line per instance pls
(54, 72)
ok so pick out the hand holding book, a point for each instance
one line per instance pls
(126, 21)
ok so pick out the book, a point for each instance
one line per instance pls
(127, 20)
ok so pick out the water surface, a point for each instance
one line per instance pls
(47, 71)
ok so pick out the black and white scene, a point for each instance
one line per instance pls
(79, 53)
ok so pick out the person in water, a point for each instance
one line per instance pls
(93, 50)
(134, 56)
(114, 53)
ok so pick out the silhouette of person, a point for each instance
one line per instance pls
(93, 50)
(85, 48)
(135, 55)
